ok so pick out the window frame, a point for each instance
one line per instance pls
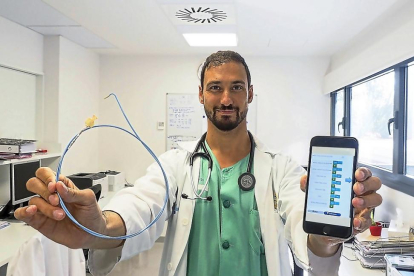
(397, 179)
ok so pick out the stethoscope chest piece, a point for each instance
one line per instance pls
(247, 181)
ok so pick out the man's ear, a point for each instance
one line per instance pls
(250, 94)
(200, 94)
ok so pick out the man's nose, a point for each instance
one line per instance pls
(226, 99)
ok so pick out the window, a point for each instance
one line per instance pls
(410, 121)
(339, 113)
(372, 105)
(379, 111)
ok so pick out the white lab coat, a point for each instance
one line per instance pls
(40, 256)
(281, 227)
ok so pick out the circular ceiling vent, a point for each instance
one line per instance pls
(201, 15)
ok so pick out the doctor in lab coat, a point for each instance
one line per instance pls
(225, 91)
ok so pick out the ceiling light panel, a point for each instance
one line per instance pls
(211, 40)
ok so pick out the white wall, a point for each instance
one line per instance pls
(51, 88)
(21, 48)
(394, 199)
(386, 42)
(79, 99)
(18, 108)
(70, 91)
(291, 106)
(71, 96)
(389, 41)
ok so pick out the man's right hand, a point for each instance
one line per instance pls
(45, 214)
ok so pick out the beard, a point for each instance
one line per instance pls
(225, 123)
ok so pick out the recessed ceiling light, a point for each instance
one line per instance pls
(211, 40)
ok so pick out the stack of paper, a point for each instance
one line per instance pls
(370, 250)
(4, 224)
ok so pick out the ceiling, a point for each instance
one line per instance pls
(42, 18)
(151, 27)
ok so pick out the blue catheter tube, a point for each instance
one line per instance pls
(135, 135)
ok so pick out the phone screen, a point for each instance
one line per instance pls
(330, 186)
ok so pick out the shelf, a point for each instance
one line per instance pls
(37, 156)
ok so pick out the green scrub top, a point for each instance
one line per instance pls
(225, 237)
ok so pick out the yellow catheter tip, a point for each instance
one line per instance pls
(90, 121)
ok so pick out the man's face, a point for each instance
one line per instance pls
(226, 95)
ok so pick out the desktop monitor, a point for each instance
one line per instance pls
(20, 173)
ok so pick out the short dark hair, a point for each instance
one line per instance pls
(220, 58)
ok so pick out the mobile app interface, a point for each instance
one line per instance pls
(330, 185)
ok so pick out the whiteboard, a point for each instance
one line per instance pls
(186, 119)
(18, 104)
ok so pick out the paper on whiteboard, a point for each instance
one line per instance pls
(175, 139)
(184, 118)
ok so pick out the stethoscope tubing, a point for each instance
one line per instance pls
(206, 154)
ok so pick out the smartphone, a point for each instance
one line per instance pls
(329, 192)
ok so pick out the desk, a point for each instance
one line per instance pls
(354, 268)
(46, 160)
(17, 233)
(12, 237)
(105, 200)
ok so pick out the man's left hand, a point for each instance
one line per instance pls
(366, 198)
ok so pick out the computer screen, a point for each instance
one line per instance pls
(20, 174)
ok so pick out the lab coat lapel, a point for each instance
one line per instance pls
(270, 223)
(262, 167)
(185, 213)
(264, 197)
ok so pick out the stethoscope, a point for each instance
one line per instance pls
(246, 180)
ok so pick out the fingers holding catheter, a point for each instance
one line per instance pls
(47, 201)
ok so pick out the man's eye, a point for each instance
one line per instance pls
(215, 87)
(237, 87)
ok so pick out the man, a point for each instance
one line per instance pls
(233, 231)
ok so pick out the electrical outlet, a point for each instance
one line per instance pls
(160, 125)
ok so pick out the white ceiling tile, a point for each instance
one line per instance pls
(263, 27)
(76, 34)
(33, 13)
(44, 19)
